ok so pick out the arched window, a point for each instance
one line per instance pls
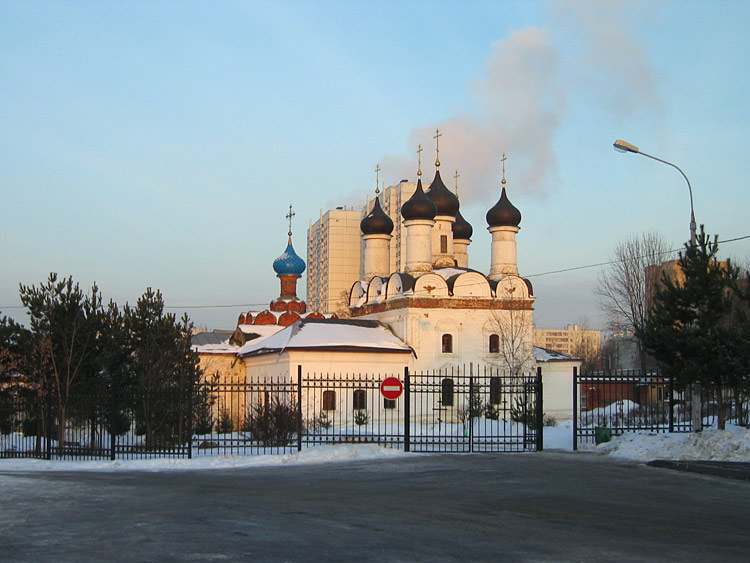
(360, 400)
(329, 400)
(446, 392)
(447, 344)
(494, 344)
(496, 390)
(443, 244)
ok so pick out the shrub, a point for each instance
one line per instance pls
(524, 412)
(474, 408)
(225, 424)
(361, 417)
(119, 424)
(491, 412)
(273, 424)
(549, 421)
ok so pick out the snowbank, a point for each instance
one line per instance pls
(732, 444)
(318, 454)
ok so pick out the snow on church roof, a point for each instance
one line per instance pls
(544, 355)
(328, 334)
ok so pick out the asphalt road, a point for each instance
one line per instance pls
(481, 507)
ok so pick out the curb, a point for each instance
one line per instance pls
(727, 469)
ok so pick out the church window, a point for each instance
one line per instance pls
(329, 400)
(360, 400)
(447, 344)
(446, 392)
(494, 344)
(389, 403)
(444, 244)
(496, 391)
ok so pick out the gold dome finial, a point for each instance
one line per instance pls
(289, 216)
(377, 180)
(503, 160)
(419, 170)
(437, 136)
(456, 175)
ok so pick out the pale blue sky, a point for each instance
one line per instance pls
(160, 143)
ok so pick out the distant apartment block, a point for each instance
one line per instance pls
(333, 258)
(572, 340)
(334, 248)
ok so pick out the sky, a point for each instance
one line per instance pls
(160, 144)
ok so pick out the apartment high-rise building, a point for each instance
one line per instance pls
(572, 340)
(335, 247)
(333, 258)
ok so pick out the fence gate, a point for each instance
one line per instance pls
(613, 402)
(463, 411)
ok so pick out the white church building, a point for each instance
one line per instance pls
(435, 315)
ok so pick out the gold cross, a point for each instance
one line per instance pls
(419, 153)
(289, 216)
(503, 161)
(377, 179)
(437, 136)
(456, 175)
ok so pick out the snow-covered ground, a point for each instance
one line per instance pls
(732, 444)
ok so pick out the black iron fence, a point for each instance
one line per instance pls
(631, 400)
(459, 410)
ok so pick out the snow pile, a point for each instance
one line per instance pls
(732, 444)
(318, 454)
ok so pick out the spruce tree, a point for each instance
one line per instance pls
(697, 329)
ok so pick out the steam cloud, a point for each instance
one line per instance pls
(522, 99)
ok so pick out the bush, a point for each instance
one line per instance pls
(361, 417)
(549, 421)
(321, 421)
(524, 412)
(120, 425)
(491, 412)
(273, 424)
(474, 408)
(225, 424)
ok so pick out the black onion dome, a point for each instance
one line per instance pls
(445, 200)
(419, 206)
(376, 222)
(462, 230)
(504, 213)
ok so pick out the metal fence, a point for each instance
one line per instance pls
(458, 410)
(631, 400)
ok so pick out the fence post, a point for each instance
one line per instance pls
(112, 422)
(471, 414)
(191, 390)
(671, 404)
(539, 411)
(575, 408)
(48, 425)
(299, 408)
(407, 410)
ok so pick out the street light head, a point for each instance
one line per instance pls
(623, 146)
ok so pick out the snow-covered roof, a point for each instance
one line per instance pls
(261, 330)
(544, 355)
(215, 342)
(328, 334)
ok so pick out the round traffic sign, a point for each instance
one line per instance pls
(391, 388)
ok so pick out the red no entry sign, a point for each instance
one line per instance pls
(391, 388)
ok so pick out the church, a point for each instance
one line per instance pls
(437, 314)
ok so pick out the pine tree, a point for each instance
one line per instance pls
(697, 330)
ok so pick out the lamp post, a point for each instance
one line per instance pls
(623, 146)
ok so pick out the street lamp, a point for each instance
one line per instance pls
(623, 146)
